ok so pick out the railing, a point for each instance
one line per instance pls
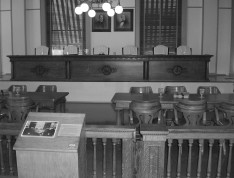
(187, 152)
(163, 152)
(8, 134)
(116, 144)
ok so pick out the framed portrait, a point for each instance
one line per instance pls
(101, 22)
(124, 21)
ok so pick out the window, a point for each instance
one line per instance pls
(64, 26)
(161, 24)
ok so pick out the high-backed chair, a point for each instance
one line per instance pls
(194, 112)
(129, 50)
(146, 89)
(183, 50)
(160, 49)
(101, 50)
(46, 88)
(70, 49)
(41, 50)
(18, 88)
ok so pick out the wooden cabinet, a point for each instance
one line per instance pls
(110, 68)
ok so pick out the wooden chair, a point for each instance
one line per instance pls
(70, 49)
(168, 114)
(226, 110)
(18, 107)
(129, 50)
(41, 50)
(145, 112)
(160, 49)
(211, 116)
(194, 112)
(183, 50)
(146, 89)
(17, 88)
(101, 50)
(46, 88)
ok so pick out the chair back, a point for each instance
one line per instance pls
(46, 88)
(146, 89)
(102, 50)
(146, 111)
(209, 89)
(130, 50)
(18, 107)
(20, 88)
(174, 89)
(70, 49)
(183, 50)
(160, 49)
(41, 50)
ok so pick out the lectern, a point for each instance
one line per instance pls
(52, 145)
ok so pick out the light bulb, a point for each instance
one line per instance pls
(91, 13)
(84, 7)
(106, 6)
(111, 12)
(118, 9)
(78, 10)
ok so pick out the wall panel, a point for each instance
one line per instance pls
(194, 29)
(6, 41)
(5, 4)
(33, 30)
(224, 41)
(210, 31)
(18, 27)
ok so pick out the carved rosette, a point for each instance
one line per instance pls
(107, 70)
(177, 70)
(40, 70)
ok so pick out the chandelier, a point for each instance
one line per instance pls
(87, 6)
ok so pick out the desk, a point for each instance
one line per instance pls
(110, 68)
(122, 100)
(50, 100)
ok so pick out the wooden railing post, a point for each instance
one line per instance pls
(153, 151)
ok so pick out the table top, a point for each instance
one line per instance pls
(168, 98)
(42, 96)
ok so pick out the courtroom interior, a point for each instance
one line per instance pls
(142, 89)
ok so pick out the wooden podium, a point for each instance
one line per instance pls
(52, 145)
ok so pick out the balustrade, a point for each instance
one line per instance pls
(164, 152)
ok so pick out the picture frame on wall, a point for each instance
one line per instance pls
(124, 21)
(101, 22)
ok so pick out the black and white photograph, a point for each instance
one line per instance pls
(101, 22)
(124, 21)
(40, 129)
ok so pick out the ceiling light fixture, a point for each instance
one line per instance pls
(87, 6)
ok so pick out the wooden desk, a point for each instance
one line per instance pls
(110, 68)
(122, 100)
(50, 100)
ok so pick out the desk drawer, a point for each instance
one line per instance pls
(106, 71)
(39, 70)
